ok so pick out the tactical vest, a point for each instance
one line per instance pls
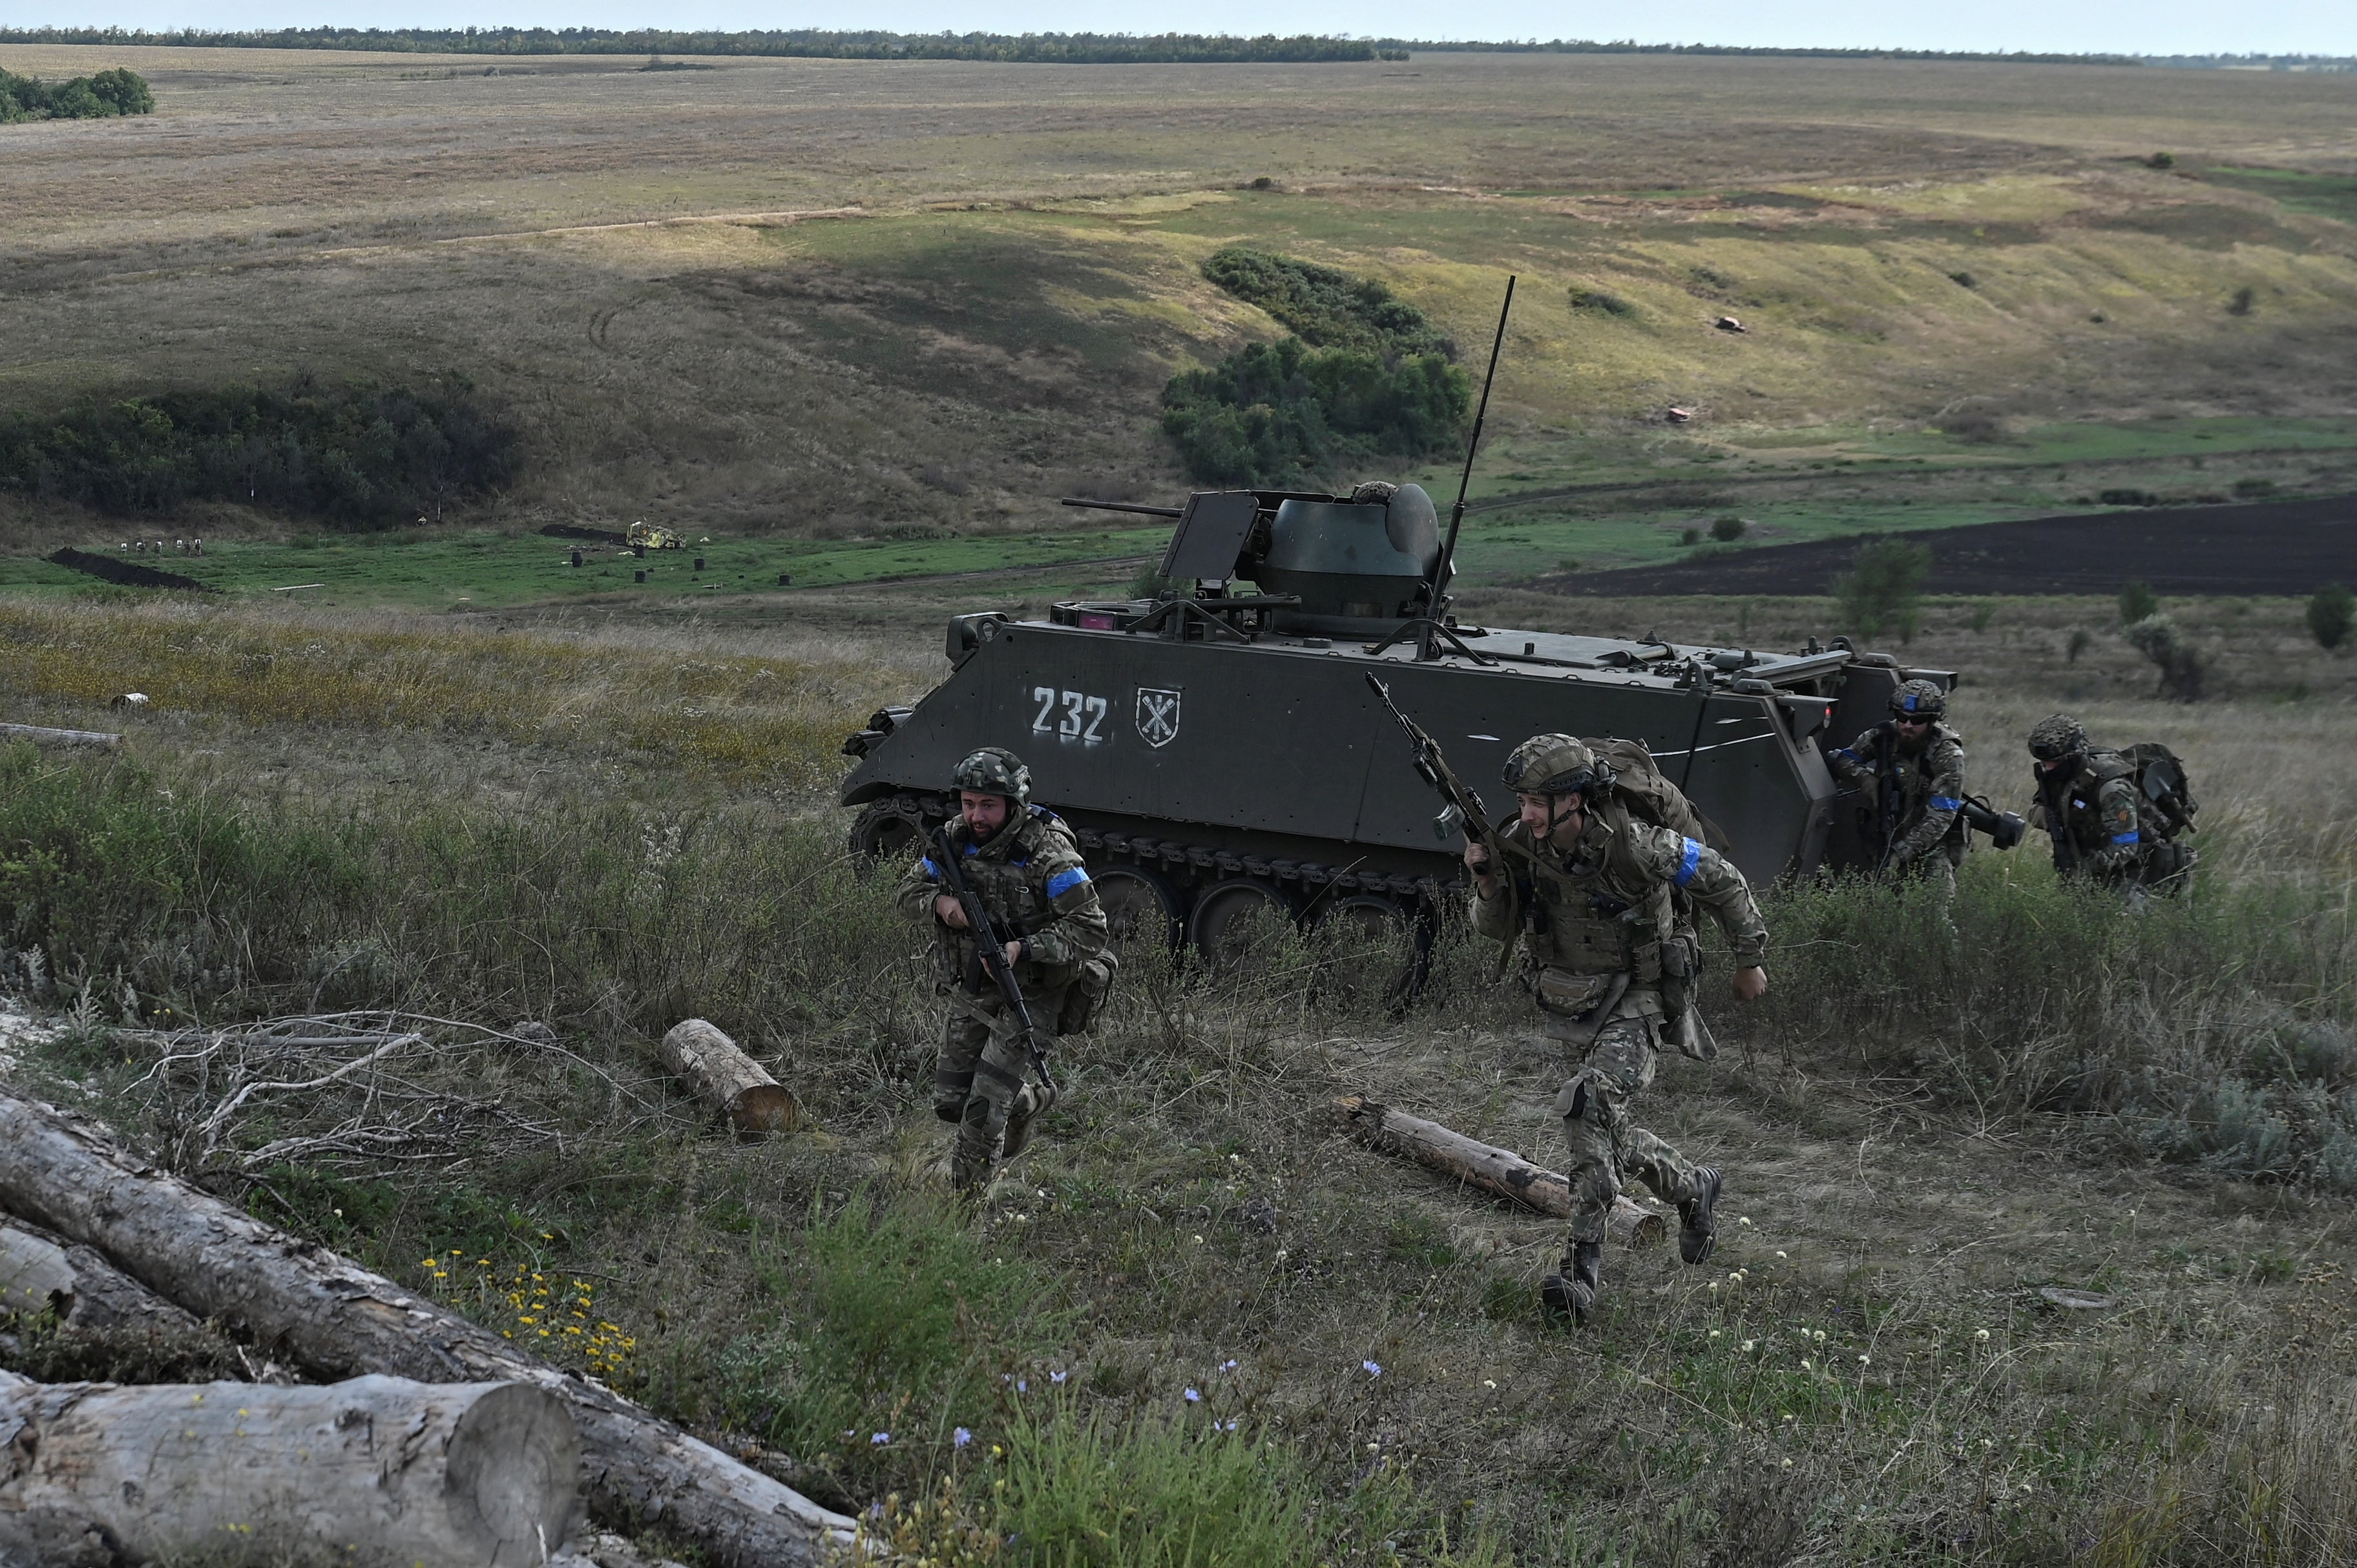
(1913, 780)
(1600, 910)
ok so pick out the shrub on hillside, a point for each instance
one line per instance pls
(2138, 602)
(1884, 591)
(1364, 374)
(98, 97)
(2182, 666)
(359, 454)
(1326, 308)
(2329, 615)
(1281, 414)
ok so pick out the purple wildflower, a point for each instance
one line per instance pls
(880, 1439)
(960, 1437)
(1193, 1397)
(1371, 1369)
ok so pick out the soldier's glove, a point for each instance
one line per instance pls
(1900, 856)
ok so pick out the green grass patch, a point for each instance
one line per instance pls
(2320, 194)
(484, 570)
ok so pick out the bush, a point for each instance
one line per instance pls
(2245, 298)
(1727, 530)
(1600, 299)
(1884, 591)
(356, 454)
(2182, 666)
(1281, 414)
(1363, 374)
(2138, 602)
(2330, 614)
(1964, 279)
(98, 97)
(2127, 496)
(1325, 308)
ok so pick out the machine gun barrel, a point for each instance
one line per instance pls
(1462, 811)
(990, 948)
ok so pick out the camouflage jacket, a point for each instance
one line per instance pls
(1929, 788)
(1617, 899)
(1030, 878)
(2091, 815)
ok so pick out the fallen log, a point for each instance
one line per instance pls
(40, 734)
(338, 1320)
(1500, 1172)
(40, 1271)
(375, 1471)
(729, 1081)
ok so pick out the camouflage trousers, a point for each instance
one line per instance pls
(978, 1078)
(1606, 1148)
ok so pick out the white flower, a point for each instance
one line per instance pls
(1748, 1344)
(1714, 1334)
(1780, 1257)
(1981, 1334)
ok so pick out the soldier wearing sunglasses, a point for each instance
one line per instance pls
(1913, 766)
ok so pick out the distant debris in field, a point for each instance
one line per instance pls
(129, 700)
(2077, 1300)
(1678, 416)
(1729, 323)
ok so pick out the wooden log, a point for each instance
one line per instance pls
(338, 1320)
(40, 1270)
(729, 1081)
(42, 735)
(1500, 1172)
(373, 1471)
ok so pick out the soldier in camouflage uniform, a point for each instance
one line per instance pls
(1593, 893)
(2090, 807)
(1913, 766)
(1023, 863)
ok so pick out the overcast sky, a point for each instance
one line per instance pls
(2128, 27)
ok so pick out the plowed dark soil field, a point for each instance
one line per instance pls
(2288, 547)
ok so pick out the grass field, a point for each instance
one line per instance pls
(1923, 1130)
(829, 299)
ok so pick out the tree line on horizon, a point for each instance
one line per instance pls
(1043, 49)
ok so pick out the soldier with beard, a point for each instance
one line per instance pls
(1914, 764)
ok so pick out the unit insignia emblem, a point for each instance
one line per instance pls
(1158, 715)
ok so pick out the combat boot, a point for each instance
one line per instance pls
(1697, 1231)
(1572, 1294)
(1031, 1102)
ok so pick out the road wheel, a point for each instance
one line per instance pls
(886, 832)
(1368, 951)
(1143, 910)
(1234, 921)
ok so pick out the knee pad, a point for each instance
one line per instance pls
(953, 1114)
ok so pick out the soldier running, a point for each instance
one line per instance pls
(1598, 924)
(1025, 866)
(1914, 764)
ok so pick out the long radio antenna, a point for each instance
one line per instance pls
(1447, 567)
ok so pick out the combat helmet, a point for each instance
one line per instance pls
(2057, 734)
(994, 770)
(1920, 700)
(1556, 764)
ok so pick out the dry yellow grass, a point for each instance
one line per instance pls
(835, 295)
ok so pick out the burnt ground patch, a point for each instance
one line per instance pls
(2283, 547)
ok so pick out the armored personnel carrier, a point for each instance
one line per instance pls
(1222, 758)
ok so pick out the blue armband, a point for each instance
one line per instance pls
(1687, 863)
(1946, 803)
(932, 872)
(2129, 837)
(1063, 882)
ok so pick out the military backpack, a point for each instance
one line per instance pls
(2165, 802)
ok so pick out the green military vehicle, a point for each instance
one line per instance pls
(1222, 757)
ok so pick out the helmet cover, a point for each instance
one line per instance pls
(2057, 734)
(1555, 765)
(1920, 700)
(994, 770)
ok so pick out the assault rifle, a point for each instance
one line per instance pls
(1461, 810)
(989, 957)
